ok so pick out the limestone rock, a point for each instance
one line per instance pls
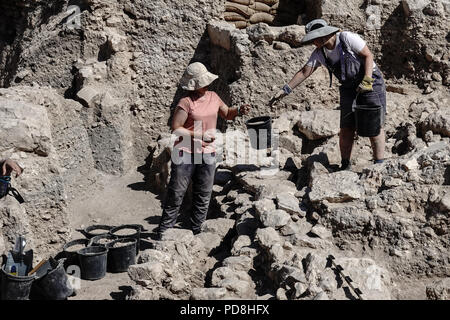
(412, 6)
(374, 281)
(319, 124)
(290, 204)
(25, 127)
(240, 263)
(152, 271)
(152, 255)
(292, 143)
(208, 293)
(321, 231)
(267, 237)
(438, 122)
(275, 219)
(210, 240)
(439, 290)
(219, 226)
(261, 31)
(178, 235)
(339, 186)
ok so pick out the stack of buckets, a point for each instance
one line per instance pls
(101, 252)
(104, 252)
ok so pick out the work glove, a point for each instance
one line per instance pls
(366, 84)
(280, 94)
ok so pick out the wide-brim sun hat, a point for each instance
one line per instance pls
(317, 28)
(196, 76)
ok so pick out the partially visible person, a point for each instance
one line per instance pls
(8, 166)
(193, 157)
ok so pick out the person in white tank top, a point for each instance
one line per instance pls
(365, 80)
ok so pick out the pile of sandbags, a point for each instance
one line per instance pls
(243, 13)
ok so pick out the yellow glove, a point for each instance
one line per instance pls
(366, 84)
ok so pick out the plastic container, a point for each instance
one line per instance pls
(260, 132)
(93, 262)
(368, 120)
(55, 284)
(15, 287)
(96, 230)
(71, 254)
(121, 254)
(128, 231)
(102, 240)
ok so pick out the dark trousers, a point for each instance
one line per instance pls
(202, 176)
(376, 97)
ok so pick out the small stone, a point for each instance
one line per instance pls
(428, 90)
(281, 294)
(428, 231)
(321, 231)
(408, 234)
(277, 45)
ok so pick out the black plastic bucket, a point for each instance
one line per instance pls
(71, 254)
(368, 120)
(260, 132)
(93, 262)
(121, 254)
(55, 284)
(96, 230)
(134, 233)
(102, 240)
(15, 287)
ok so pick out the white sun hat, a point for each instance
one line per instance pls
(196, 76)
(317, 28)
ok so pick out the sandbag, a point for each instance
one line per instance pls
(261, 7)
(233, 16)
(274, 9)
(245, 2)
(268, 2)
(261, 17)
(239, 8)
(241, 24)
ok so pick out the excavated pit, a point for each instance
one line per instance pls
(265, 238)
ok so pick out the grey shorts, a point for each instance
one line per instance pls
(374, 98)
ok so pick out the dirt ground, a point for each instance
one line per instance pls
(113, 201)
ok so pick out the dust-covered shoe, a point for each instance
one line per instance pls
(345, 165)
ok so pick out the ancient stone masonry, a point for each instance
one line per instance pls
(382, 223)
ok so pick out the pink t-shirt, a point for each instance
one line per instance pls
(202, 113)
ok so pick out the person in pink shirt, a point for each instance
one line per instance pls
(193, 157)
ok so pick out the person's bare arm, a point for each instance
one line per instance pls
(298, 78)
(301, 75)
(228, 113)
(368, 59)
